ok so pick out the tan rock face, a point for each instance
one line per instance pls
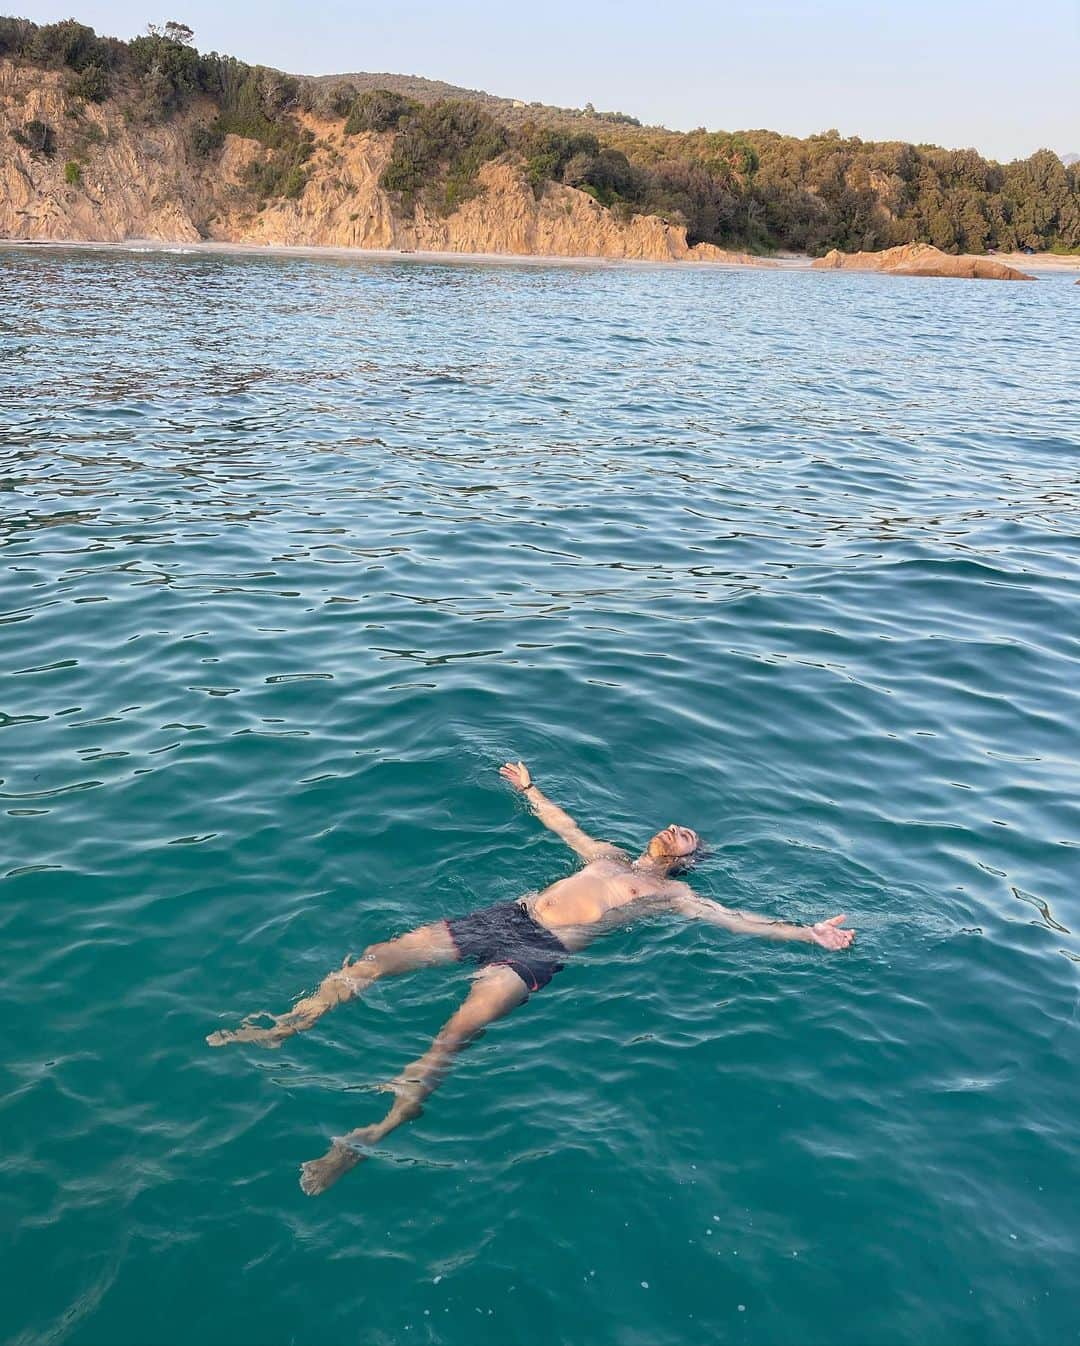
(920, 259)
(144, 182)
(126, 178)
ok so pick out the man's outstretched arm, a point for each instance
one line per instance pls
(560, 822)
(826, 933)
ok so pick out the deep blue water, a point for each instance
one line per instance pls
(293, 553)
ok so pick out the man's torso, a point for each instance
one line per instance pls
(605, 893)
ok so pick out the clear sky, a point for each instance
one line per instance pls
(1003, 78)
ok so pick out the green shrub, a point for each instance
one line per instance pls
(379, 110)
(579, 161)
(72, 173)
(207, 140)
(438, 154)
(91, 84)
(293, 183)
(38, 137)
(16, 36)
(256, 103)
(328, 100)
(69, 43)
(283, 174)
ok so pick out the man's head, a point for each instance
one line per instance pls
(676, 848)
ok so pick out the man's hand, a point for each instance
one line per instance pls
(829, 935)
(517, 773)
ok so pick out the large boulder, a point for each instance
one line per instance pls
(920, 259)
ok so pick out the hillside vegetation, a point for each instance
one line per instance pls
(752, 189)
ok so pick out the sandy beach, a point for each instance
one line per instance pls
(1051, 262)
(379, 254)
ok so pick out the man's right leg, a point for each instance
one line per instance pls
(496, 990)
(425, 947)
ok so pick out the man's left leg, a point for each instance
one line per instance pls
(495, 992)
(427, 946)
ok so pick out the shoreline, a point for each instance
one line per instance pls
(217, 246)
(1047, 263)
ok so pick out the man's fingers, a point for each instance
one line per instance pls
(517, 773)
(835, 920)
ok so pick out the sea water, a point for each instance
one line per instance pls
(295, 552)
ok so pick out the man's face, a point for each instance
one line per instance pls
(674, 843)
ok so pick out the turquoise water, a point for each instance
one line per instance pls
(294, 553)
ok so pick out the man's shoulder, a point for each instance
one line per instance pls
(672, 892)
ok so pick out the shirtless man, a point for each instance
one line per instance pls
(518, 947)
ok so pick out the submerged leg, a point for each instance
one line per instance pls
(495, 992)
(425, 947)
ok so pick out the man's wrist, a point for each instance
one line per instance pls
(532, 785)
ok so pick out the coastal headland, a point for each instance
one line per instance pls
(112, 142)
(144, 182)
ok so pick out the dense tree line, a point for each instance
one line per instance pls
(767, 191)
(754, 189)
(827, 191)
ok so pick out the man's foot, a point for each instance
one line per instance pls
(334, 990)
(319, 1174)
(247, 1032)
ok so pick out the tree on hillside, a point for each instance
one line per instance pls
(172, 32)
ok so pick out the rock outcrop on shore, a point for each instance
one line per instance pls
(920, 259)
(146, 182)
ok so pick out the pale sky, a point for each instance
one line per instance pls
(1003, 78)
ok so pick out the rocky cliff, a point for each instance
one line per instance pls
(920, 259)
(108, 178)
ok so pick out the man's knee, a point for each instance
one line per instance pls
(380, 959)
(419, 948)
(377, 960)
